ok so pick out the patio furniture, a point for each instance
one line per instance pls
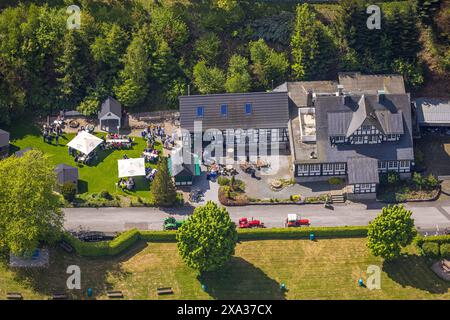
(445, 264)
(115, 294)
(14, 296)
(74, 124)
(167, 290)
(58, 296)
(66, 247)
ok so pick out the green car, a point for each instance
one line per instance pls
(172, 224)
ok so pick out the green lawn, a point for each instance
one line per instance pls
(324, 269)
(101, 175)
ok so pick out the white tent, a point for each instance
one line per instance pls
(131, 167)
(84, 142)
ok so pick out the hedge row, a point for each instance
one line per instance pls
(301, 233)
(126, 239)
(434, 246)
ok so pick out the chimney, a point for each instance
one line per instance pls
(189, 90)
(340, 89)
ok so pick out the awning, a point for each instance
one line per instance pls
(131, 167)
(85, 142)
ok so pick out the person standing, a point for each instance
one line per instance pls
(57, 139)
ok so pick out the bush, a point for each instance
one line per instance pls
(295, 198)
(335, 181)
(69, 190)
(106, 195)
(430, 249)
(445, 250)
(431, 181)
(393, 177)
(223, 181)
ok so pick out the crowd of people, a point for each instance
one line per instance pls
(153, 133)
(126, 183)
(52, 131)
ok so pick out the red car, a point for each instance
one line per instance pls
(294, 221)
(245, 223)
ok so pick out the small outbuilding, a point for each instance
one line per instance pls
(21, 152)
(184, 172)
(432, 112)
(4, 144)
(110, 115)
(65, 174)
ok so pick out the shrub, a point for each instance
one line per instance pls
(295, 197)
(430, 249)
(69, 190)
(393, 177)
(431, 181)
(335, 181)
(223, 181)
(445, 250)
(106, 195)
(418, 180)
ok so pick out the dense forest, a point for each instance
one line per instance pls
(147, 52)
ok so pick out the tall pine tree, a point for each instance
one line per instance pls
(162, 187)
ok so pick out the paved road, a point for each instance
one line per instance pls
(428, 216)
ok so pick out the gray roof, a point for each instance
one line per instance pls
(356, 82)
(110, 105)
(269, 110)
(20, 153)
(329, 107)
(300, 92)
(66, 173)
(433, 111)
(4, 138)
(362, 170)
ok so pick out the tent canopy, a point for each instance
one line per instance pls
(85, 142)
(131, 167)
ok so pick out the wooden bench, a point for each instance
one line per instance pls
(66, 247)
(162, 291)
(14, 296)
(115, 294)
(445, 264)
(58, 296)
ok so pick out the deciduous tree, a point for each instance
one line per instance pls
(207, 240)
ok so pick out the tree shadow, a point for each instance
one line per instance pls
(415, 271)
(94, 273)
(83, 186)
(240, 280)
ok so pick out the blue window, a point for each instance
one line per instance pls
(224, 109)
(200, 111)
(248, 108)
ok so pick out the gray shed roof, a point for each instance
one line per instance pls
(269, 110)
(4, 138)
(433, 111)
(66, 173)
(110, 105)
(362, 170)
(356, 82)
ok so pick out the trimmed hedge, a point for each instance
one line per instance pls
(301, 233)
(103, 248)
(445, 250)
(430, 249)
(434, 244)
(126, 239)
